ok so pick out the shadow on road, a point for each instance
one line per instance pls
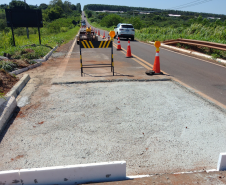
(106, 75)
(9, 123)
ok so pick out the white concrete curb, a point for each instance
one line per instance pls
(73, 174)
(8, 105)
(191, 52)
(6, 110)
(39, 62)
(221, 165)
(17, 88)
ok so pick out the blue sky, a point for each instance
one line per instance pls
(210, 6)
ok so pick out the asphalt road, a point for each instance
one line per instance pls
(204, 76)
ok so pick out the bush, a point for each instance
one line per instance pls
(92, 20)
(136, 22)
(55, 26)
(7, 65)
(63, 29)
(111, 20)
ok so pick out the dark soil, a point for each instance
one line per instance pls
(7, 81)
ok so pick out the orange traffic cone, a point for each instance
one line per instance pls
(98, 32)
(104, 35)
(156, 67)
(128, 54)
(119, 45)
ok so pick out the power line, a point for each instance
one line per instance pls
(194, 3)
(186, 4)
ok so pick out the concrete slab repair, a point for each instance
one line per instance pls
(156, 127)
(154, 124)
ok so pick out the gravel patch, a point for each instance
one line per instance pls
(156, 127)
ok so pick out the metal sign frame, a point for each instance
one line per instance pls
(96, 44)
(13, 14)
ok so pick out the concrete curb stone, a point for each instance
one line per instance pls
(9, 104)
(17, 88)
(71, 174)
(6, 110)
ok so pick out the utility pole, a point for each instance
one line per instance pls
(27, 27)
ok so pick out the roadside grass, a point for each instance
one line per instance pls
(96, 25)
(195, 31)
(29, 49)
(48, 42)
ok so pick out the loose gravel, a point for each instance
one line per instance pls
(156, 127)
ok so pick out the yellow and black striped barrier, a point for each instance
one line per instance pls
(85, 44)
(96, 44)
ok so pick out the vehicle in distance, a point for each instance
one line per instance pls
(83, 23)
(87, 35)
(124, 30)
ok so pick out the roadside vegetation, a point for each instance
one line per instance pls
(156, 24)
(61, 22)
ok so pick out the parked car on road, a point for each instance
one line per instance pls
(124, 30)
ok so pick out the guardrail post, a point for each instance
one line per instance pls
(80, 56)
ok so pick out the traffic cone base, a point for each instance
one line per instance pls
(128, 54)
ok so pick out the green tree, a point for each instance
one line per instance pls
(43, 6)
(57, 3)
(205, 21)
(199, 19)
(218, 22)
(15, 4)
(2, 24)
(111, 20)
(73, 7)
(89, 14)
(136, 22)
(55, 13)
(78, 5)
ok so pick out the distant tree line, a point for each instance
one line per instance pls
(153, 19)
(56, 9)
(101, 7)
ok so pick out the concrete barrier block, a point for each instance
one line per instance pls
(39, 60)
(35, 65)
(75, 174)
(16, 72)
(17, 88)
(221, 165)
(6, 109)
(10, 177)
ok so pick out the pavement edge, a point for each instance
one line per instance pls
(201, 95)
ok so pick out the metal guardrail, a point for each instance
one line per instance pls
(197, 43)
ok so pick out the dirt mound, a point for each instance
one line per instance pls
(7, 81)
(21, 63)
